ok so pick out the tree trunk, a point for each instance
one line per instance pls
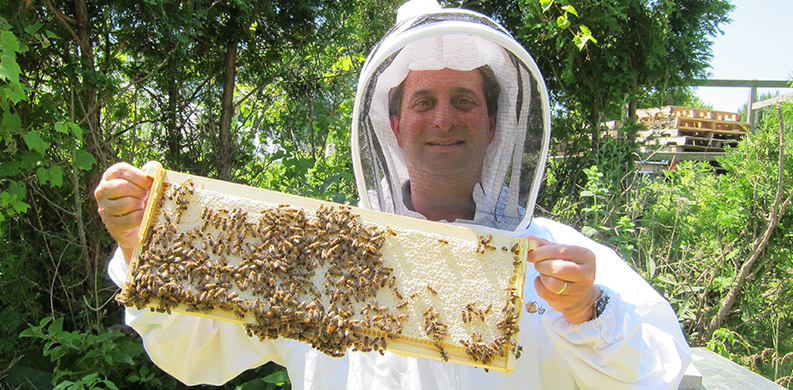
(311, 127)
(174, 134)
(594, 121)
(632, 106)
(94, 142)
(90, 112)
(227, 112)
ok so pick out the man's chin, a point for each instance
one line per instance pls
(448, 166)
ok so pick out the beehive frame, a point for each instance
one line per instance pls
(334, 276)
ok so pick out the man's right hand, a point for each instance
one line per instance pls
(121, 196)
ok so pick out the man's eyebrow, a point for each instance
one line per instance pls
(422, 93)
(461, 90)
(431, 92)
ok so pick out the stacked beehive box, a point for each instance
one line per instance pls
(683, 129)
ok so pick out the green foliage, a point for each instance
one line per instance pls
(689, 232)
(581, 37)
(677, 96)
(722, 341)
(277, 379)
(105, 359)
(641, 46)
(595, 207)
(613, 157)
(12, 197)
(139, 81)
(96, 360)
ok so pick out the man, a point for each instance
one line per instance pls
(442, 150)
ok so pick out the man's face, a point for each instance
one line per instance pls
(443, 124)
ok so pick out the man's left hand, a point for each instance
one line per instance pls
(567, 277)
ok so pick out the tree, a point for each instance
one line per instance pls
(598, 57)
(641, 45)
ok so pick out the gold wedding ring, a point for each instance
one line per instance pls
(564, 287)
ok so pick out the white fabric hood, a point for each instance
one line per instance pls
(427, 37)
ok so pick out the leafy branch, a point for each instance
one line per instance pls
(581, 37)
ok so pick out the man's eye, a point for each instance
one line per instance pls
(423, 104)
(464, 103)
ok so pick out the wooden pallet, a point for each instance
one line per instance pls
(285, 265)
(698, 133)
(678, 111)
(683, 133)
(680, 149)
(698, 124)
(704, 142)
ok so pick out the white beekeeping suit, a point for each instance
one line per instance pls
(635, 343)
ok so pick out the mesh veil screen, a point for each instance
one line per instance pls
(451, 123)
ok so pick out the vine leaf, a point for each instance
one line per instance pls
(84, 160)
(570, 9)
(35, 142)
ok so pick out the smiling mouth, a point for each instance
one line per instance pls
(448, 143)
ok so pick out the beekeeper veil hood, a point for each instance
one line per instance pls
(512, 154)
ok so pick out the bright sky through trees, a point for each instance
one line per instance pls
(755, 45)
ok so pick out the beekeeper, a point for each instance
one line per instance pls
(451, 123)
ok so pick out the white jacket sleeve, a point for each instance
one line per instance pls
(636, 343)
(193, 349)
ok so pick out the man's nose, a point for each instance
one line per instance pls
(445, 116)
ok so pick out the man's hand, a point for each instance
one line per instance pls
(574, 265)
(121, 196)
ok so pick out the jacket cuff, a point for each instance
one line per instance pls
(606, 328)
(117, 268)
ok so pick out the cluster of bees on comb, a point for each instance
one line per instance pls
(484, 244)
(479, 350)
(310, 276)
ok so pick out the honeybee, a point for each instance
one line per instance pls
(444, 355)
